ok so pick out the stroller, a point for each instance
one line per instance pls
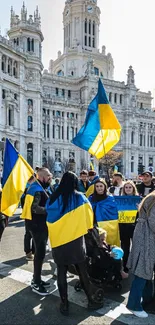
(102, 269)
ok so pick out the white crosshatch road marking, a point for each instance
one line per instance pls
(111, 309)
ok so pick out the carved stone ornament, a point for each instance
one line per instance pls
(30, 75)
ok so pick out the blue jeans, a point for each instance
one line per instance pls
(136, 293)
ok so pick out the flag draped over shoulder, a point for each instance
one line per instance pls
(101, 130)
(127, 207)
(73, 223)
(106, 215)
(16, 172)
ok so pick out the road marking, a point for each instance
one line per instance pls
(111, 309)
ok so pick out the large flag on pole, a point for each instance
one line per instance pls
(101, 130)
(16, 172)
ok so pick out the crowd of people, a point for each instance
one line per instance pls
(98, 231)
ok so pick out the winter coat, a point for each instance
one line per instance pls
(142, 256)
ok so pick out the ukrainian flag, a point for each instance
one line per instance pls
(73, 223)
(106, 214)
(101, 130)
(35, 187)
(16, 172)
(127, 207)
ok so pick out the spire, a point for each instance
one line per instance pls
(37, 18)
(23, 13)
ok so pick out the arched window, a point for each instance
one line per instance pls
(30, 105)
(3, 65)
(115, 98)
(15, 66)
(110, 97)
(29, 123)
(28, 45)
(60, 73)
(94, 28)
(30, 154)
(32, 45)
(96, 71)
(72, 73)
(10, 67)
(86, 26)
(132, 137)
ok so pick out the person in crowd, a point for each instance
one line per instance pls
(117, 184)
(142, 256)
(147, 185)
(92, 179)
(3, 219)
(28, 241)
(72, 252)
(57, 182)
(127, 229)
(105, 211)
(35, 214)
(83, 183)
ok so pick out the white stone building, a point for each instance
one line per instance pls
(41, 112)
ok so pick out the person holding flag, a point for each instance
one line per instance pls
(69, 218)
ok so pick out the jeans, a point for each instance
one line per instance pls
(2, 227)
(40, 237)
(126, 234)
(136, 293)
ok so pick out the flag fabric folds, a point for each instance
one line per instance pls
(127, 208)
(16, 172)
(33, 188)
(106, 215)
(101, 130)
(73, 223)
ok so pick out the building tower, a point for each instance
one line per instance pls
(81, 20)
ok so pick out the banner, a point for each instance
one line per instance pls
(127, 208)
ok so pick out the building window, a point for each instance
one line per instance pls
(151, 141)
(121, 99)
(132, 137)
(60, 73)
(48, 112)
(28, 45)
(15, 67)
(89, 27)
(150, 161)
(141, 105)
(94, 28)
(62, 114)
(63, 92)
(96, 71)
(15, 96)
(141, 140)
(53, 113)
(3, 65)
(85, 26)
(44, 130)
(144, 141)
(132, 166)
(76, 116)
(30, 105)
(71, 115)
(11, 117)
(115, 98)
(58, 132)
(48, 131)
(44, 157)
(53, 131)
(89, 41)
(62, 132)
(69, 93)
(85, 40)
(10, 67)
(30, 154)
(57, 91)
(71, 132)
(67, 132)
(30, 123)
(110, 97)
(3, 93)
(57, 113)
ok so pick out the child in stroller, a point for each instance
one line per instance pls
(102, 266)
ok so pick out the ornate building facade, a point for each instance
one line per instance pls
(41, 111)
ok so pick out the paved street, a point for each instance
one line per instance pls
(20, 306)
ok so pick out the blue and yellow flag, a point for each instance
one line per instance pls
(73, 223)
(101, 130)
(29, 197)
(115, 169)
(127, 207)
(106, 215)
(16, 173)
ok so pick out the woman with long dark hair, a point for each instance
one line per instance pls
(69, 217)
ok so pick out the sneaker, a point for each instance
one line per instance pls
(141, 314)
(95, 305)
(40, 290)
(43, 283)
(29, 257)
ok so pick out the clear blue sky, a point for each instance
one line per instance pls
(127, 31)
